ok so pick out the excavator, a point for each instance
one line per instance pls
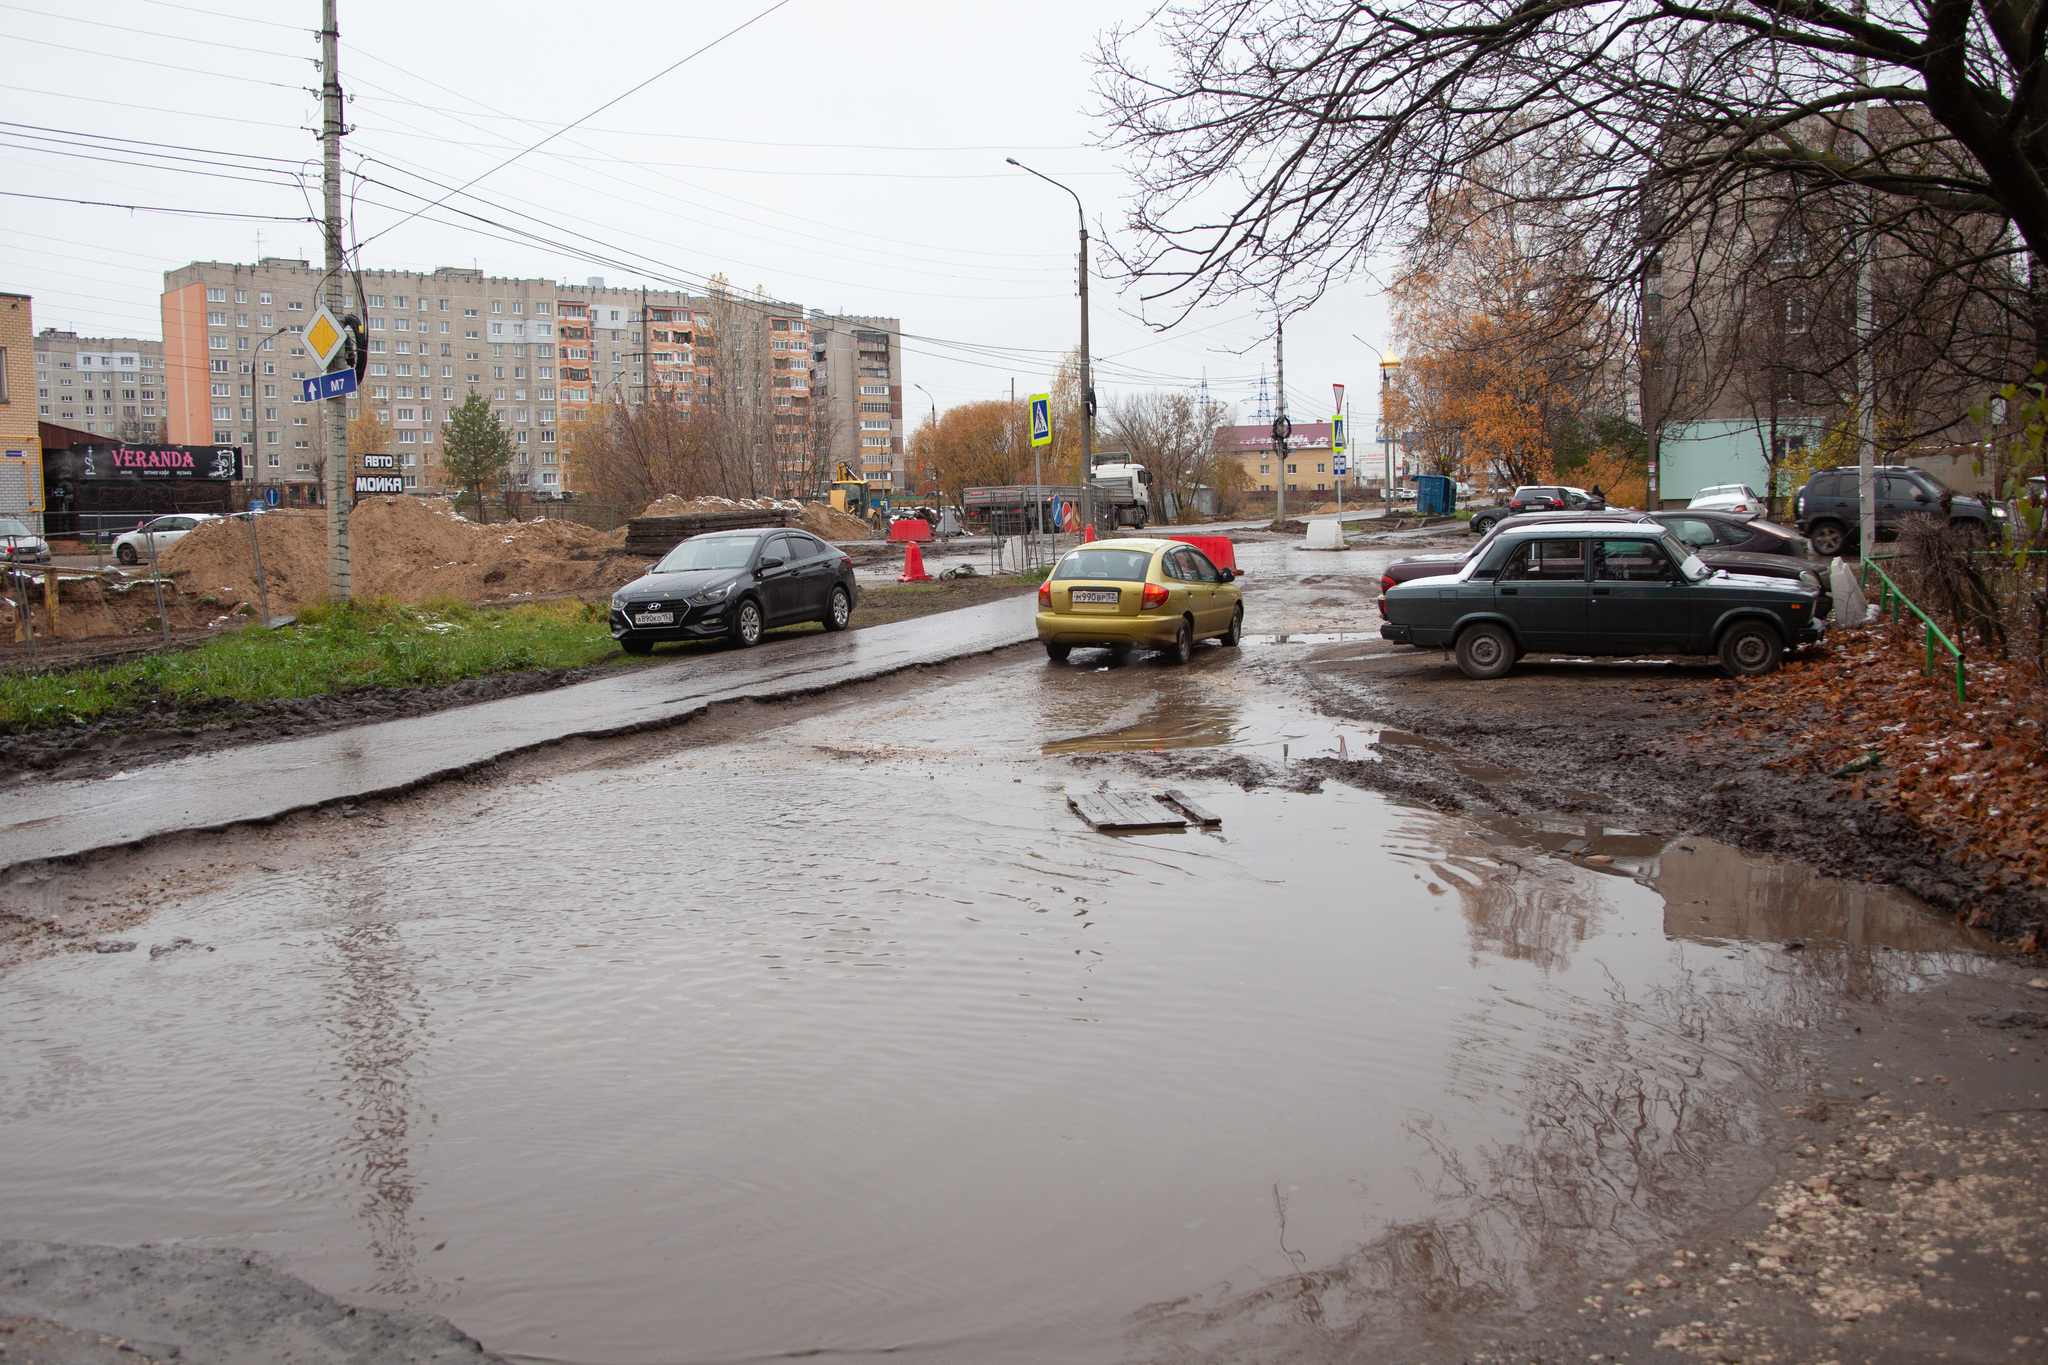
(849, 491)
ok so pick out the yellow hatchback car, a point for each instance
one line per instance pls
(1138, 593)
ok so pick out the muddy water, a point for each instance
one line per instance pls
(849, 1037)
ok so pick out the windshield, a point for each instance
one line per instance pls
(1932, 484)
(1690, 564)
(14, 528)
(709, 552)
(1127, 566)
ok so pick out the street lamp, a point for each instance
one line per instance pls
(1389, 365)
(1087, 373)
(931, 451)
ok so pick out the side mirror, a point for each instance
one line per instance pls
(771, 563)
(652, 567)
(1228, 575)
(1919, 496)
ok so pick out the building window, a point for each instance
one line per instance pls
(216, 296)
(1792, 315)
(273, 460)
(376, 301)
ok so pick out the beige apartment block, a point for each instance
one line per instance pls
(21, 449)
(114, 386)
(544, 353)
(857, 389)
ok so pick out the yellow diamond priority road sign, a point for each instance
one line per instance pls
(324, 337)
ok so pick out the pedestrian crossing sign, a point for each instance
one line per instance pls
(1041, 419)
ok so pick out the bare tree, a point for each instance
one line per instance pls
(1171, 432)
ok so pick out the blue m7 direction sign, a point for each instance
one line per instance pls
(1041, 419)
(333, 385)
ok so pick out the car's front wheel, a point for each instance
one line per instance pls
(746, 623)
(840, 611)
(637, 646)
(126, 554)
(1486, 651)
(1749, 649)
(1828, 538)
(1235, 634)
(1057, 653)
(1481, 525)
(1183, 647)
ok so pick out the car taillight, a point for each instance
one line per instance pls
(1045, 594)
(1386, 581)
(1155, 595)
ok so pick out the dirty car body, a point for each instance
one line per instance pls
(735, 584)
(1603, 589)
(1138, 593)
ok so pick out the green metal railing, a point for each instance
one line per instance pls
(1889, 600)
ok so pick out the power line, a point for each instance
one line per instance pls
(153, 208)
(360, 244)
(150, 33)
(238, 18)
(168, 66)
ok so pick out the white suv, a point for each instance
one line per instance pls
(1727, 497)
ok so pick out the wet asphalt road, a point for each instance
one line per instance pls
(829, 1030)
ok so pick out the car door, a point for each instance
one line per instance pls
(1178, 564)
(781, 581)
(165, 531)
(1635, 606)
(1695, 531)
(1217, 602)
(1542, 589)
(813, 572)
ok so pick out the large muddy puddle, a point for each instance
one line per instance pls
(848, 1037)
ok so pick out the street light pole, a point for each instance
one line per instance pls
(931, 454)
(1087, 371)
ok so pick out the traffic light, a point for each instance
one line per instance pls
(358, 352)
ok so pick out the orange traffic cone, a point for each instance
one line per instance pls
(913, 565)
(1087, 534)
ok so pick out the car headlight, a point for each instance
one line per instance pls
(2000, 513)
(710, 595)
(1809, 579)
(619, 599)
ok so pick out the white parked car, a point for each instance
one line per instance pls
(156, 536)
(1728, 497)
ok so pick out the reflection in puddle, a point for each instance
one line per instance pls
(1178, 720)
(1714, 891)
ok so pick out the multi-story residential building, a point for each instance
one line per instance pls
(21, 447)
(543, 353)
(857, 391)
(111, 386)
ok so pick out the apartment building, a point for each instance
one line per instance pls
(543, 352)
(21, 447)
(1310, 463)
(111, 386)
(857, 387)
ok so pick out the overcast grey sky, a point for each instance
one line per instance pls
(848, 158)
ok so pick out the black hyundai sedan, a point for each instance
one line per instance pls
(736, 584)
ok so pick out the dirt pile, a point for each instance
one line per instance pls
(411, 549)
(815, 517)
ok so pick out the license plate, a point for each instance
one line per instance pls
(1096, 595)
(655, 618)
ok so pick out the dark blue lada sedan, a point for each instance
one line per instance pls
(1600, 589)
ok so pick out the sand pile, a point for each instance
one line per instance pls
(815, 517)
(412, 549)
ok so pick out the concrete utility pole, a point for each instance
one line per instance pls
(1087, 371)
(337, 410)
(1282, 428)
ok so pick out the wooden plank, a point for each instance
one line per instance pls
(1123, 811)
(1199, 814)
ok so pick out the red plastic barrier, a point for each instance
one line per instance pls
(910, 528)
(1219, 549)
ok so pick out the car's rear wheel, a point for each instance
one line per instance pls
(840, 611)
(1482, 524)
(1183, 647)
(126, 554)
(1235, 634)
(746, 623)
(637, 646)
(1057, 653)
(1828, 538)
(1486, 651)
(1749, 649)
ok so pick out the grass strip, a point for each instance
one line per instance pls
(338, 648)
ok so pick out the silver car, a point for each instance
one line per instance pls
(155, 536)
(21, 545)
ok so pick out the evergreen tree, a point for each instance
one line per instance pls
(475, 448)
